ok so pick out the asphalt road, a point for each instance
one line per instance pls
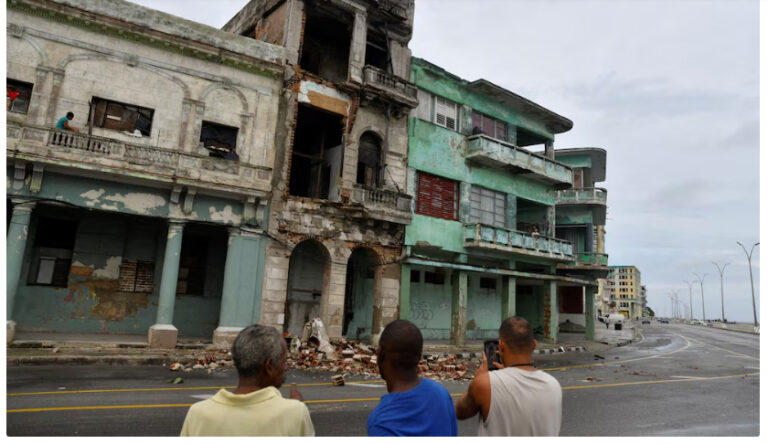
(677, 380)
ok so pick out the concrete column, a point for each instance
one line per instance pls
(36, 111)
(163, 334)
(405, 291)
(550, 228)
(53, 99)
(511, 217)
(377, 323)
(465, 203)
(458, 307)
(549, 149)
(15, 246)
(589, 312)
(551, 311)
(357, 48)
(509, 297)
(512, 134)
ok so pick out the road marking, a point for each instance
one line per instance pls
(357, 384)
(686, 377)
(724, 349)
(329, 401)
(171, 389)
(594, 364)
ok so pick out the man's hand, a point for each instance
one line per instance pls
(295, 394)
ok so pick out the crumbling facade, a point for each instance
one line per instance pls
(482, 245)
(152, 217)
(580, 218)
(339, 206)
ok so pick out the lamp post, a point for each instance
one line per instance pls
(690, 296)
(751, 281)
(722, 299)
(701, 283)
(673, 300)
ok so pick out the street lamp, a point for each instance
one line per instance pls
(722, 303)
(701, 283)
(690, 296)
(673, 300)
(749, 258)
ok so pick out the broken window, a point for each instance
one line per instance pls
(52, 254)
(271, 27)
(437, 197)
(489, 126)
(194, 250)
(317, 154)
(136, 276)
(326, 42)
(415, 276)
(377, 50)
(219, 140)
(488, 207)
(17, 96)
(446, 113)
(488, 283)
(578, 178)
(121, 117)
(369, 161)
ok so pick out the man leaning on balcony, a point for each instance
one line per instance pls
(63, 123)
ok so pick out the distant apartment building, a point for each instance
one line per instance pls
(626, 290)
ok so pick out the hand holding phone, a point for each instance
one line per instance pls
(491, 349)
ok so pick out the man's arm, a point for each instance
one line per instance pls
(478, 395)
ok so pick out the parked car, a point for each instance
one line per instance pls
(663, 321)
(646, 321)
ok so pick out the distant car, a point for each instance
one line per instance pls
(663, 321)
(646, 321)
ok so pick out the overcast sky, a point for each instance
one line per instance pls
(670, 89)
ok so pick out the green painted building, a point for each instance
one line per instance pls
(482, 245)
(150, 219)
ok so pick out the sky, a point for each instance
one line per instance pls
(670, 89)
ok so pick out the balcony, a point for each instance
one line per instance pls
(79, 150)
(495, 153)
(385, 205)
(596, 259)
(582, 196)
(490, 238)
(390, 87)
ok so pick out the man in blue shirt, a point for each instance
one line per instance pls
(414, 406)
(63, 123)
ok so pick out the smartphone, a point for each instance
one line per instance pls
(491, 348)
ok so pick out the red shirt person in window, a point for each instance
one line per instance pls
(10, 96)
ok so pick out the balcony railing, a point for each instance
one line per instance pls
(592, 259)
(485, 236)
(499, 154)
(116, 156)
(383, 204)
(400, 90)
(580, 196)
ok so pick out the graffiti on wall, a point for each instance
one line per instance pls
(421, 313)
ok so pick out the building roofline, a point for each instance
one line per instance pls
(597, 156)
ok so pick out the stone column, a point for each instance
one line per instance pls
(549, 149)
(15, 246)
(509, 297)
(551, 311)
(405, 291)
(357, 48)
(589, 312)
(37, 101)
(377, 319)
(511, 217)
(163, 334)
(53, 99)
(550, 229)
(465, 203)
(458, 307)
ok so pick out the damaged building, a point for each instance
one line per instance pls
(580, 218)
(483, 244)
(151, 217)
(339, 207)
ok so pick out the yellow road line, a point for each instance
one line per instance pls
(721, 348)
(328, 401)
(169, 389)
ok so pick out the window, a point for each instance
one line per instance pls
(415, 276)
(437, 197)
(488, 207)
(52, 253)
(18, 94)
(488, 283)
(121, 117)
(136, 276)
(433, 278)
(446, 113)
(220, 140)
(489, 126)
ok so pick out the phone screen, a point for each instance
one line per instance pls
(491, 348)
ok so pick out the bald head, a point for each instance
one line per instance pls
(401, 342)
(517, 334)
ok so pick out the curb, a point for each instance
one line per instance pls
(479, 355)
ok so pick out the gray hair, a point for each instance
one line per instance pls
(254, 346)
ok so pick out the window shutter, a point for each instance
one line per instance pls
(437, 197)
(445, 113)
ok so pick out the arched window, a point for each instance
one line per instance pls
(369, 160)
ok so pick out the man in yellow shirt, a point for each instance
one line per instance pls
(256, 407)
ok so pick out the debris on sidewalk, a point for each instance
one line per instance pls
(337, 380)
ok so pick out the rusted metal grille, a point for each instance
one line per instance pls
(437, 197)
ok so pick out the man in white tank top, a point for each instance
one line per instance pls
(517, 399)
